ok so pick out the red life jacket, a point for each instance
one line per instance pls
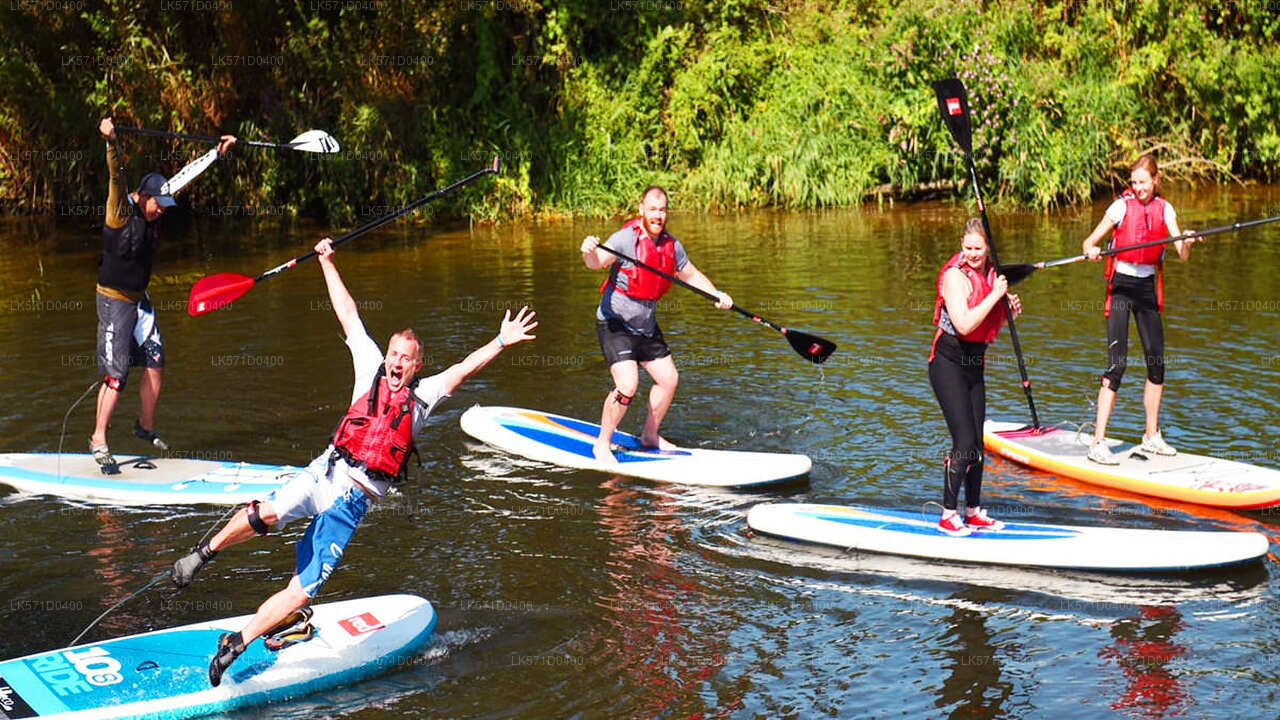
(376, 434)
(980, 286)
(643, 284)
(1141, 223)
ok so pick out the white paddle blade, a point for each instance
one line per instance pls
(316, 141)
(189, 172)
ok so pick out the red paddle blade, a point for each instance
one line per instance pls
(211, 293)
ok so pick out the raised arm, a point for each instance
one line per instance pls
(118, 192)
(192, 170)
(512, 331)
(344, 306)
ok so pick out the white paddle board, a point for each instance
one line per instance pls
(1186, 477)
(141, 480)
(567, 442)
(165, 674)
(854, 527)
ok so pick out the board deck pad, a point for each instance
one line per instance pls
(142, 480)
(164, 674)
(897, 532)
(1199, 479)
(567, 442)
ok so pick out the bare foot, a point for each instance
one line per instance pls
(661, 444)
(603, 453)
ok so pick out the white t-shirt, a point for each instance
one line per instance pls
(1115, 213)
(366, 358)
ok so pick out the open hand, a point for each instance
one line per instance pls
(517, 329)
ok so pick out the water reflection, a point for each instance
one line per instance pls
(1144, 649)
(972, 684)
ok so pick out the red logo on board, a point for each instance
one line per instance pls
(953, 105)
(814, 349)
(361, 624)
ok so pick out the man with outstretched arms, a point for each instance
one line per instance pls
(625, 321)
(369, 450)
(127, 332)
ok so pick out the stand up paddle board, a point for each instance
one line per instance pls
(853, 527)
(141, 480)
(165, 674)
(1186, 477)
(567, 442)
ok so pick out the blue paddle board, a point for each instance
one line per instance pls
(567, 442)
(853, 527)
(165, 674)
(141, 480)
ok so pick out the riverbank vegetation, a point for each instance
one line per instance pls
(730, 103)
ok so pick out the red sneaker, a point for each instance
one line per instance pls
(980, 521)
(952, 526)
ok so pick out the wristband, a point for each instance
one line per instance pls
(501, 345)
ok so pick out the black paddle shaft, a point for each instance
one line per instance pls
(379, 222)
(953, 103)
(1019, 271)
(812, 348)
(199, 138)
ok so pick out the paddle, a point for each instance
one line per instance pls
(314, 141)
(1018, 272)
(810, 347)
(953, 103)
(215, 291)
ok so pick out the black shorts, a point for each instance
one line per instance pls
(619, 345)
(118, 347)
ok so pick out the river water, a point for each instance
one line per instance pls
(571, 594)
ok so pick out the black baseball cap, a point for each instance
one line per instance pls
(155, 185)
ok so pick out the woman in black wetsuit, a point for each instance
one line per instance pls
(968, 312)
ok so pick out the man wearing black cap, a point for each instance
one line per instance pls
(127, 333)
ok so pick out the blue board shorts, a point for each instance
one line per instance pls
(335, 504)
(326, 538)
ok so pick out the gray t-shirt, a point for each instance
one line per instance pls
(636, 315)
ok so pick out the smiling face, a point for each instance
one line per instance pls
(1143, 184)
(403, 361)
(974, 249)
(653, 212)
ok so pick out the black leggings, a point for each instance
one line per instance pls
(956, 376)
(1138, 296)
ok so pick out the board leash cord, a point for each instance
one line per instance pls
(153, 580)
(62, 436)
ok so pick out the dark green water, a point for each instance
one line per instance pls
(565, 593)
